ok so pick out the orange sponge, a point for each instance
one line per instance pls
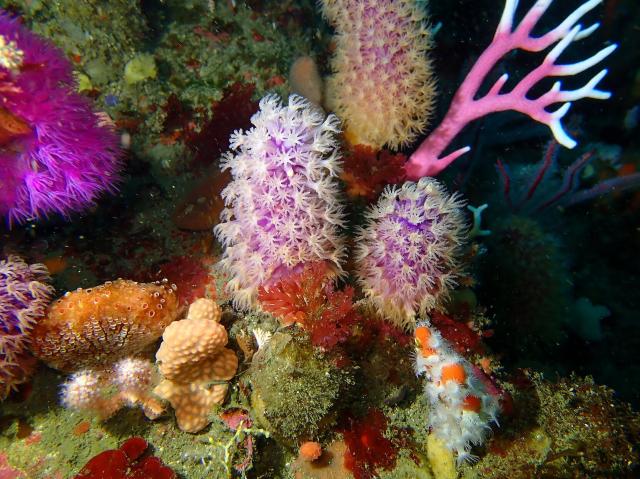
(95, 327)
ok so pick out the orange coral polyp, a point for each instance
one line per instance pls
(423, 335)
(472, 403)
(453, 372)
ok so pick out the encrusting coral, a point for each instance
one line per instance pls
(407, 253)
(105, 391)
(194, 362)
(382, 86)
(283, 206)
(24, 296)
(95, 327)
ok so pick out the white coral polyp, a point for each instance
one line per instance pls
(82, 390)
(282, 206)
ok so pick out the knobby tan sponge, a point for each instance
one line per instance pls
(194, 362)
(95, 327)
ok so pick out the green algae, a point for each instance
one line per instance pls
(198, 50)
(60, 441)
(140, 68)
(563, 429)
(53, 446)
(297, 390)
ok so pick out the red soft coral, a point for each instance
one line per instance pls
(367, 171)
(297, 297)
(309, 299)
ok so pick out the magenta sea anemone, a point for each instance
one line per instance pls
(24, 296)
(283, 207)
(55, 155)
(407, 253)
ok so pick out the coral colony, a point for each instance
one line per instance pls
(428, 159)
(461, 406)
(195, 364)
(284, 243)
(282, 205)
(105, 391)
(407, 253)
(97, 326)
(55, 156)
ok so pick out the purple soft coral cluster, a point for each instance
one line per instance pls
(407, 253)
(283, 207)
(55, 155)
(24, 296)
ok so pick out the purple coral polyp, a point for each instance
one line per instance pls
(407, 253)
(282, 207)
(55, 154)
(24, 296)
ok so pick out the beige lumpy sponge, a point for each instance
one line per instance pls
(195, 364)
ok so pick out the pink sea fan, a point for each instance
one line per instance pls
(55, 156)
(282, 207)
(407, 253)
(24, 295)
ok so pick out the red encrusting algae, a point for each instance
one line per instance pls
(367, 171)
(190, 275)
(462, 338)
(232, 112)
(367, 448)
(126, 463)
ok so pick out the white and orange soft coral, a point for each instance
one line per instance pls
(462, 408)
(195, 364)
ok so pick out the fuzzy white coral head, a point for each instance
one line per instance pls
(81, 390)
(282, 207)
(133, 375)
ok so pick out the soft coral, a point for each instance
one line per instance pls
(309, 299)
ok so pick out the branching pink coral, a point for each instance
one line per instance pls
(429, 159)
(283, 206)
(24, 296)
(55, 156)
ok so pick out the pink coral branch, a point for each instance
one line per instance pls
(466, 106)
